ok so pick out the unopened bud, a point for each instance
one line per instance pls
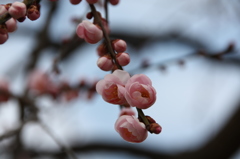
(11, 25)
(105, 63)
(75, 1)
(3, 38)
(17, 10)
(89, 15)
(102, 50)
(155, 128)
(21, 19)
(119, 45)
(123, 58)
(33, 12)
(150, 119)
(3, 29)
(114, 2)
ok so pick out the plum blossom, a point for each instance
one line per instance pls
(130, 129)
(89, 32)
(139, 92)
(112, 87)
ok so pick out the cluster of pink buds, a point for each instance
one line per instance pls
(119, 87)
(105, 62)
(41, 83)
(18, 12)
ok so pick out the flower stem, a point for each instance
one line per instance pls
(143, 117)
(106, 9)
(106, 37)
(113, 55)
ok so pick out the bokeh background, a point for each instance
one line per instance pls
(197, 95)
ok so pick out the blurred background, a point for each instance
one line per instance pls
(190, 51)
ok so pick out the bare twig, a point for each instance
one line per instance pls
(62, 146)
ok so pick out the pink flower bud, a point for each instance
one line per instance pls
(150, 119)
(4, 88)
(119, 45)
(89, 32)
(75, 1)
(3, 29)
(3, 38)
(123, 58)
(130, 129)
(127, 111)
(105, 63)
(139, 92)
(155, 128)
(2, 9)
(102, 50)
(21, 19)
(33, 12)
(114, 2)
(92, 1)
(89, 15)
(11, 25)
(17, 10)
(112, 87)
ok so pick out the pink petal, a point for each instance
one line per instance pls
(140, 78)
(80, 31)
(122, 75)
(127, 111)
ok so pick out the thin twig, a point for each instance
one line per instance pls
(67, 150)
(106, 10)
(106, 37)
(113, 55)
(11, 133)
